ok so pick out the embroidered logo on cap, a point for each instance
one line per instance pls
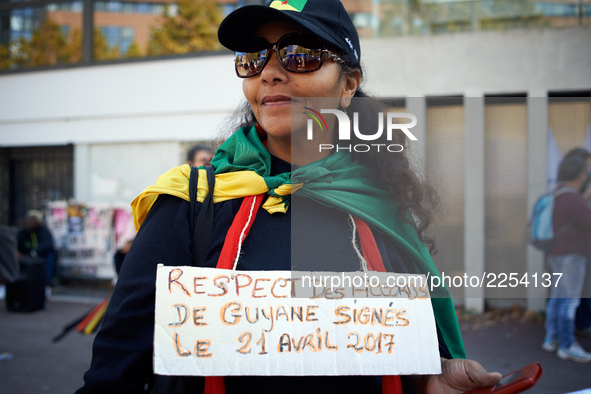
(289, 5)
(352, 47)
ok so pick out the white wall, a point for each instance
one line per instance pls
(488, 62)
(120, 171)
(182, 99)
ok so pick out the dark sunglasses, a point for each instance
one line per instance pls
(297, 53)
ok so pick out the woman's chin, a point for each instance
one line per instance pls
(281, 131)
(281, 128)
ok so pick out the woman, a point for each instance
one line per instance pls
(256, 164)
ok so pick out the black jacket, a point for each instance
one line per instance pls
(42, 244)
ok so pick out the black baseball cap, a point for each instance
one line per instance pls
(327, 19)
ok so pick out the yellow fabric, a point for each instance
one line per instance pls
(287, 189)
(230, 185)
(237, 184)
(280, 6)
(275, 205)
(95, 319)
(174, 182)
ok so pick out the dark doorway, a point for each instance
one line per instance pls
(32, 176)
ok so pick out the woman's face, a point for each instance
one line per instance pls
(270, 93)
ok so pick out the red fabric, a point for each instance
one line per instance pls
(80, 327)
(215, 384)
(230, 248)
(391, 385)
(260, 131)
(369, 249)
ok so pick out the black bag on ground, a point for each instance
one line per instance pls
(27, 293)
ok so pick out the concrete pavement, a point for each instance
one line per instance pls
(505, 341)
(39, 365)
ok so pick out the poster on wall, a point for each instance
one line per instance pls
(87, 236)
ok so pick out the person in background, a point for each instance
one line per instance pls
(568, 256)
(35, 240)
(585, 155)
(199, 155)
(583, 315)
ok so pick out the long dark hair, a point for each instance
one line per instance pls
(391, 170)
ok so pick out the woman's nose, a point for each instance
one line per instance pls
(274, 71)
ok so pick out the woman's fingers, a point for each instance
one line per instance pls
(459, 376)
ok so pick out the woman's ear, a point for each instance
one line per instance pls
(351, 82)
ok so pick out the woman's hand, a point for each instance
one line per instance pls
(459, 376)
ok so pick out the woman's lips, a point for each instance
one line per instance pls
(276, 101)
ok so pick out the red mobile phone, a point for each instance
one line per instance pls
(514, 382)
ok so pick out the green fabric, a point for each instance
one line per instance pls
(340, 182)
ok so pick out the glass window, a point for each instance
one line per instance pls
(39, 36)
(114, 6)
(552, 9)
(126, 39)
(112, 34)
(129, 8)
(173, 9)
(128, 32)
(114, 42)
(65, 30)
(100, 6)
(143, 8)
(153, 31)
(28, 24)
(16, 23)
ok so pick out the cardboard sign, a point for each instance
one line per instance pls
(211, 323)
